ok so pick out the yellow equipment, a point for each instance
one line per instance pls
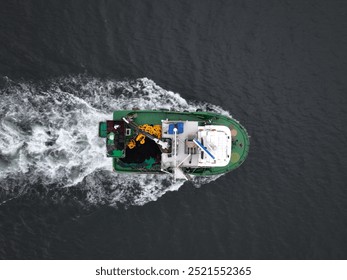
(131, 144)
(140, 138)
(154, 130)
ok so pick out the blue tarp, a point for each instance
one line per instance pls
(179, 127)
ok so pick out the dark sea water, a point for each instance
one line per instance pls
(279, 67)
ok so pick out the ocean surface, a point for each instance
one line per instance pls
(279, 67)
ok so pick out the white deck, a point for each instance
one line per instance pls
(215, 139)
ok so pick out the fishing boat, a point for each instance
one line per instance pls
(182, 144)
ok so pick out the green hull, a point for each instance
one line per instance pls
(240, 140)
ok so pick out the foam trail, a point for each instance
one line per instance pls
(48, 138)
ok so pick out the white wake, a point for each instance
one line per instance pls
(49, 138)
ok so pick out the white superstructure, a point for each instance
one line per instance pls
(195, 146)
